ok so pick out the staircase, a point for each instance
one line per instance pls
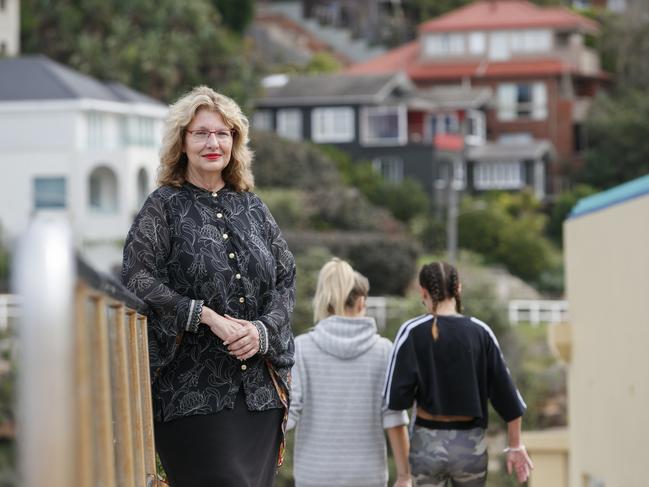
(339, 39)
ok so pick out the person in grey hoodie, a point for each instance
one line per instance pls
(336, 393)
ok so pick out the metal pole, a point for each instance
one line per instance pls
(452, 212)
(45, 273)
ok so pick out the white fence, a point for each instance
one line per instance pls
(377, 308)
(537, 311)
(9, 310)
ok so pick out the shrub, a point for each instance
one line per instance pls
(308, 265)
(281, 163)
(388, 262)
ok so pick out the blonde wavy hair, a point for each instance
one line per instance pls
(173, 160)
(338, 288)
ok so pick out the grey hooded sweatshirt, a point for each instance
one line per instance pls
(337, 407)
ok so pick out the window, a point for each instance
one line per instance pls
(289, 123)
(525, 100)
(443, 123)
(477, 43)
(262, 120)
(443, 45)
(475, 127)
(137, 131)
(95, 130)
(142, 186)
(498, 175)
(503, 44)
(334, 124)
(391, 168)
(145, 134)
(498, 46)
(49, 192)
(102, 186)
(383, 125)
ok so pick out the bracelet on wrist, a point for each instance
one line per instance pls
(263, 339)
(514, 449)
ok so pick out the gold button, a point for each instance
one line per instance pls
(238, 276)
(244, 367)
(219, 215)
(231, 255)
(225, 236)
(242, 299)
(215, 194)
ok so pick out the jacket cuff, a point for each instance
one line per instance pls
(263, 336)
(194, 315)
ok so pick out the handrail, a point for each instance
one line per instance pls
(85, 413)
(110, 286)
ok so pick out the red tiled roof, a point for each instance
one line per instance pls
(506, 14)
(397, 59)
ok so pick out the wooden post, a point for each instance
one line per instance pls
(147, 406)
(84, 439)
(122, 400)
(136, 398)
(103, 409)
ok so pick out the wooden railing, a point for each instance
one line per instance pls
(85, 415)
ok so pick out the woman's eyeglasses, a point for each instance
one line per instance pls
(201, 135)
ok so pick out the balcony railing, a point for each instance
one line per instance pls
(85, 416)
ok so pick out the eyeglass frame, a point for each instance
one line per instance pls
(231, 132)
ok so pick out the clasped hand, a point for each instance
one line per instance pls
(240, 336)
(243, 343)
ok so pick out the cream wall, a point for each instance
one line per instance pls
(10, 27)
(607, 273)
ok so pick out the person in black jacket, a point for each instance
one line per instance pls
(206, 255)
(450, 365)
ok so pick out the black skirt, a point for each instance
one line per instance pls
(231, 448)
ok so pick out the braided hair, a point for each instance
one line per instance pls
(442, 282)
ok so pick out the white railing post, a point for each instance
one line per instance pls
(44, 278)
(376, 307)
(537, 311)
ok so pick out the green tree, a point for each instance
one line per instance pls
(508, 228)
(236, 14)
(618, 136)
(322, 62)
(623, 43)
(161, 48)
(561, 209)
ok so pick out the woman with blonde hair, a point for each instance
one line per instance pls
(206, 255)
(336, 403)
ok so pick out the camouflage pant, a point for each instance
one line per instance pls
(442, 458)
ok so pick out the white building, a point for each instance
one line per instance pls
(9, 27)
(75, 146)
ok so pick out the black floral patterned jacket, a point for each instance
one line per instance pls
(187, 247)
